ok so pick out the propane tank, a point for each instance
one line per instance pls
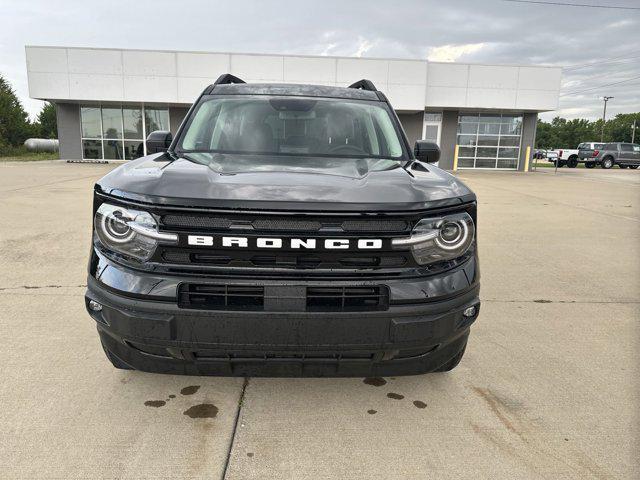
(42, 144)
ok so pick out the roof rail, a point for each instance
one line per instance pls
(227, 78)
(364, 84)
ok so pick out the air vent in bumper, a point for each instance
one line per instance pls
(225, 297)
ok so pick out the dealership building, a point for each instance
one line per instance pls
(109, 100)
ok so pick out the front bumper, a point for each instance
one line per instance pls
(423, 328)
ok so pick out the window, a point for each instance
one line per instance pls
(625, 147)
(489, 140)
(118, 133)
(293, 126)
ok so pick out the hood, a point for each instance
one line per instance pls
(284, 183)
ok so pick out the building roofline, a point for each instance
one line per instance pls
(298, 55)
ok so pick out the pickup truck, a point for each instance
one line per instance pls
(622, 154)
(565, 156)
(587, 152)
(286, 230)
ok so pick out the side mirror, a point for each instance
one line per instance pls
(428, 152)
(158, 141)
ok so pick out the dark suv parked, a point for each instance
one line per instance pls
(622, 154)
(285, 230)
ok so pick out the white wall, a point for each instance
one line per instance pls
(76, 74)
(493, 86)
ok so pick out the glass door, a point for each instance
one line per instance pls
(432, 127)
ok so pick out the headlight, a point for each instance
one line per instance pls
(133, 233)
(440, 238)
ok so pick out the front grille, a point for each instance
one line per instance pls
(279, 224)
(248, 259)
(274, 225)
(249, 298)
(375, 226)
(196, 221)
(318, 261)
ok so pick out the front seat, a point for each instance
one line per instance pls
(258, 138)
(339, 131)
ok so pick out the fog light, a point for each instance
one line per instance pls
(94, 306)
(469, 312)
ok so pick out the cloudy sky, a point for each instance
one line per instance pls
(600, 47)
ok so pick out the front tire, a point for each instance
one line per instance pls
(589, 165)
(607, 163)
(572, 162)
(452, 363)
(634, 167)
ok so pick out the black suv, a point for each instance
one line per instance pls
(285, 230)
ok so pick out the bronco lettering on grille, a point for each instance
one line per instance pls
(291, 243)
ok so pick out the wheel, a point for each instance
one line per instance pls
(589, 165)
(560, 163)
(453, 363)
(622, 166)
(115, 361)
(573, 161)
(607, 163)
(634, 167)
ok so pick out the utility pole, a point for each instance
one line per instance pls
(604, 117)
(633, 132)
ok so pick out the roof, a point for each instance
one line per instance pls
(291, 89)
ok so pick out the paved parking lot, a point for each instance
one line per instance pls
(548, 387)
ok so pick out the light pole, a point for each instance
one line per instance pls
(604, 117)
(633, 132)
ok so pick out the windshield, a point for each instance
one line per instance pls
(287, 126)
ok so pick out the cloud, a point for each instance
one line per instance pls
(363, 47)
(451, 53)
(621, 23)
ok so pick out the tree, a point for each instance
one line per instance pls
(563, 133)
(46, 124)
(619, 128)
(15, 127)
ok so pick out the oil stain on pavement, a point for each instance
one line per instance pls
(204, 410)
(375, 381)
(190, 390)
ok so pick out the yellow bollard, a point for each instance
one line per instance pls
(455, 159)
(526, 160)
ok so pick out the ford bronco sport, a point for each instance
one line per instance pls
(285, 230)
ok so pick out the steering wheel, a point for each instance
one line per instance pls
(347, 149)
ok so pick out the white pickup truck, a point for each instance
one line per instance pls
(569, 156)
(566, 156)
